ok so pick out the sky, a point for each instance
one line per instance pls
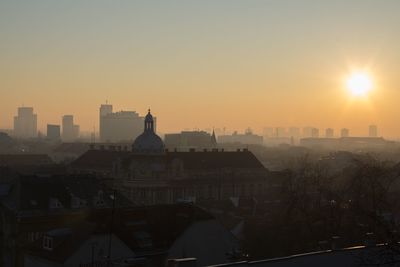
(202, 64)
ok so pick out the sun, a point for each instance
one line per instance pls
(359, 84)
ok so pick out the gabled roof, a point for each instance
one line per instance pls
(24, 159)
(33, 193)
(217, 160)
(104, 159)
(72, 148)
(98, 159)
(144, 230)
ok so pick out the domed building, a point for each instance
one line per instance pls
(148, 142)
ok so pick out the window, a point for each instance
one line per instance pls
(47, 242)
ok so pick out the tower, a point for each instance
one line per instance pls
(213, 139)
(148, 142)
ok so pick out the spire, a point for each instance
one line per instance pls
(149, 122)
(213, 139)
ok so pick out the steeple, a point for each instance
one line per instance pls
(149, 122)
(148, 141)
(213, 139)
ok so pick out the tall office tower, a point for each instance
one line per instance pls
(120, 126)
(344, 132)
(68, 131)
(329, 132)
(314, 133)
(373, 131)
(25, 123)
(53, 132)
(76, 131)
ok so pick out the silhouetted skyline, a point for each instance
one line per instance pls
(202, 63)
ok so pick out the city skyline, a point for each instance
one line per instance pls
(125, 125)
(202, 64)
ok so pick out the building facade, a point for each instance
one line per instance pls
(53, 132)
(70, 131)
(119, 126)
(25, 123)
(149, 174)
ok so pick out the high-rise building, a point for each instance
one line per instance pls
(280, 132)
(314, 133)
(25, 123)
(329, 133)
(120, 126)
(70, 131)
(307, 131)
(53, 132)
(344, 132)
(373, 131)
(76, 131)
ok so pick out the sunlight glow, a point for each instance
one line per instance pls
(359, 84)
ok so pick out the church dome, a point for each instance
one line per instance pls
(148, 141)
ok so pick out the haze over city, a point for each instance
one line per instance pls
(203, 64)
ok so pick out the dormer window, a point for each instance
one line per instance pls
(76, 202)
(98, 201)
(54, 203)
(47, 243)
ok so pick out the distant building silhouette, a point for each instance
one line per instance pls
(120, 126)
(248, 138)
(53, 132)
(344, 132)
(329, 133)
(70, 131)
(294, 132)
(280, 132)
(307, 131)
(373, 131)
(25, 123)
(268, 132)
(190, 139)
(314, 133)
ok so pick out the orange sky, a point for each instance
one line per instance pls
(202, 64)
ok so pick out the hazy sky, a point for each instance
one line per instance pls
(202, 63)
